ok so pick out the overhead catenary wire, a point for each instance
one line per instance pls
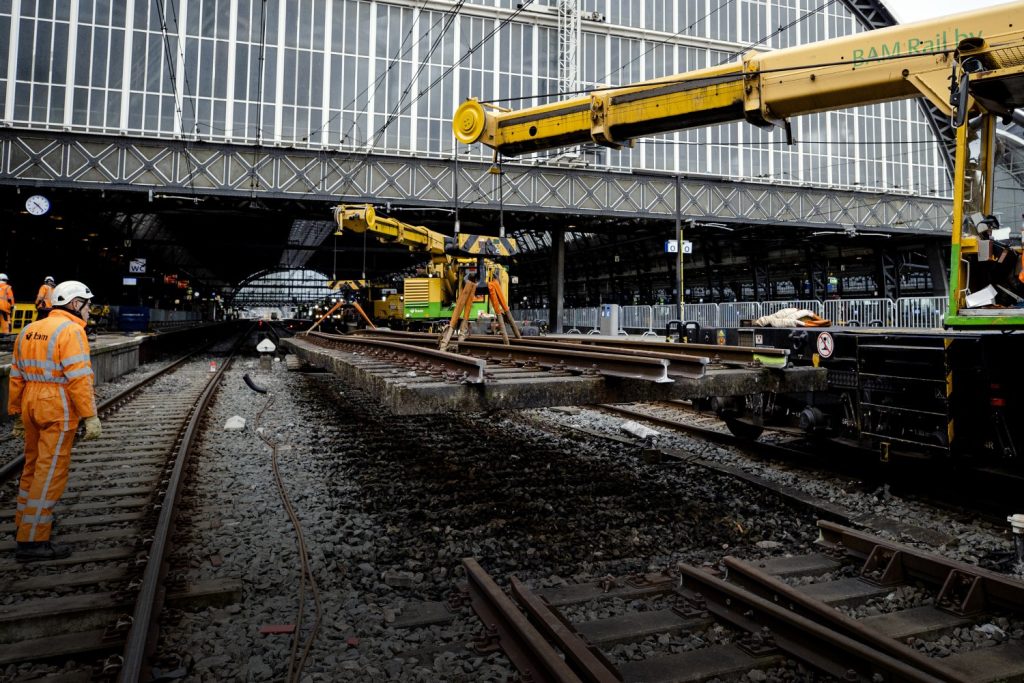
(424, 61)
(170, 58)
(683, 78)
(665, 41)
(480, 43)
(468, 53)
(381, 78)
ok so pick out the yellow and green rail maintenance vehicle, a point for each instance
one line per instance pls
(427, 301)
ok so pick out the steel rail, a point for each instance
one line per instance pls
(625, 363)
(964, 588)
(531, 654)
(151, 593)
(804, 639)
(764, 449)
(686, 360)
(721, 354)
(14, 467)
(718, 353)
(587, 661)
(680, 364)
(472, 369)
(608, 364)
(771, 588)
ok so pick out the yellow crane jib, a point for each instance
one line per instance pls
(764, 88)
(363, 218)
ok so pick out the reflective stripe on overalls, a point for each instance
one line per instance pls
(52, 378)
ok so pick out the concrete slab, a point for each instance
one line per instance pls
(412, 392)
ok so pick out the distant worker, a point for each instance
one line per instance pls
(43, 298)
(6, 304)
(51, 390)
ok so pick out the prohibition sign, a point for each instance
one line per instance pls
(825, 345)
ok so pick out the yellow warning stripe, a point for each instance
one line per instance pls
(486, 245)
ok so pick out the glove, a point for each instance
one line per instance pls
(92, 428)
(18, 428)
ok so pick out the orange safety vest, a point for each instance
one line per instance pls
(54, 352)
(43, 297)
(6, 297)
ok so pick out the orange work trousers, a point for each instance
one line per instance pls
(5, 322)
(49, 435)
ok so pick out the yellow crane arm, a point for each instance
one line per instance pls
(764, 88)
(363, 218)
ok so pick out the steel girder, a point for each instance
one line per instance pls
(81, 161)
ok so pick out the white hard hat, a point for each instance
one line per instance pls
(3, 277)
(48, 279)
(68, 291)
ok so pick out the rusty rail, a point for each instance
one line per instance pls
(606, 362)
(742, 355)
(471, 370)
(588, 661)
(533, 656)
(818, 645)
(963, 588)
(773, 619)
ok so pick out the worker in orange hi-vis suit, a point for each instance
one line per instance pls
(51, 389)
(44, 298)
(6, 304)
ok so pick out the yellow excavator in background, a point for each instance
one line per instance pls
(429, 301)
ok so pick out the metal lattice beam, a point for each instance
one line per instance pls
(52, 159)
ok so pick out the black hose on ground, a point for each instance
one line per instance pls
(252, 385)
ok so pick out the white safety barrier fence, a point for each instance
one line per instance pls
(661, 314)
(530, 315)
(917, 312)
(921, 311)
(862, 312)
(580, 320)
(705, 315)
(813, 305)
(636, 318)
(730, 315)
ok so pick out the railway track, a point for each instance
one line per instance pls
(985, 492)
(118, 515)
(862, 609)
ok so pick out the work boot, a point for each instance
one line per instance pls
(41, 550)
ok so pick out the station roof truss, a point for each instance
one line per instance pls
(216, 212)
(281, 287)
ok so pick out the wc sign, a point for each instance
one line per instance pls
(137, 265)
